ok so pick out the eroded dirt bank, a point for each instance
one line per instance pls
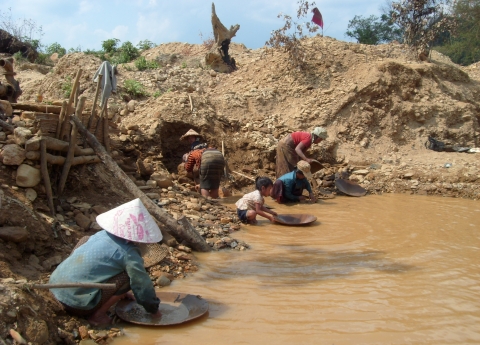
(377, 103)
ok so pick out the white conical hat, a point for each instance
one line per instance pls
(132, 222)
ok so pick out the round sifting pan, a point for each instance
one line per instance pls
(350, 188)
(315, 166)
(175, 307)
(295, 219)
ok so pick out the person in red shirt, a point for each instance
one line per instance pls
(292, 148)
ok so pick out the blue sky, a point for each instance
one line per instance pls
(86, 23)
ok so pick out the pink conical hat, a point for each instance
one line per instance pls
(132, 222)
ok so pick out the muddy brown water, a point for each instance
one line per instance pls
(390, 269)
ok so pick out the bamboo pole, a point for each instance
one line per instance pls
(180, 229)
(250, 178)
(71, 285)
(42, 108)
(46, 177)
(69, 159)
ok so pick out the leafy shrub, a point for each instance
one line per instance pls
(128, 52)
(19, 57)
(56, 48)
(142, 64)
(145, 45)
(44, 59)
(134, 88)
(184, 64)
(67, 87)
(157, 94)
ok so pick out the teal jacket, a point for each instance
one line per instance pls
(294, 187)
(102, 257)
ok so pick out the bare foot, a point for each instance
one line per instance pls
(100, 319)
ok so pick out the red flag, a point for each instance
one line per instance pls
(317, 17)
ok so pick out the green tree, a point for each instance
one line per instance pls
(464, 47)
(56, 48)
(110, 45)
(373, 30)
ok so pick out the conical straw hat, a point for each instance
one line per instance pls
(190, 133)
(132, 222)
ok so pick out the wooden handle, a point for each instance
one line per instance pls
(72, 285)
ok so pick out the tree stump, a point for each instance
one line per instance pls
(218, 58)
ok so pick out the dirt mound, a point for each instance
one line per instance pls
(377, 102)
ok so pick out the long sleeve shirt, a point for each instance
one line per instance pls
(102, 257)
(294, 187)
(194, 160)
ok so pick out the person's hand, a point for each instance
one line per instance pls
(308, 160)
(158, 313)
(129, 295)
(272, 219)
(274, 213)
(313, 198)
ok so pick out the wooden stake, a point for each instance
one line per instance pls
(191, 103)
(106, 136)
(59, 160)
(46, 177)
(71, 285)
(94, 106)
(69, 111)
(180, 229)
(100, 120)
(225, 167)
(7, 126)
(69, 159)
(61, 119)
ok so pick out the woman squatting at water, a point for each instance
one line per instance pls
(112, 255)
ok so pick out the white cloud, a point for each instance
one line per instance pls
(155, 27)
(85, 6)
(120, 32)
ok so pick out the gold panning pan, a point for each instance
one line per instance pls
(295, 219)
(175, 307)
(350, 188)
(315, 166)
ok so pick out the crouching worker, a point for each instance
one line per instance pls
(251, 204)
(113, 256)
(289, 187)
